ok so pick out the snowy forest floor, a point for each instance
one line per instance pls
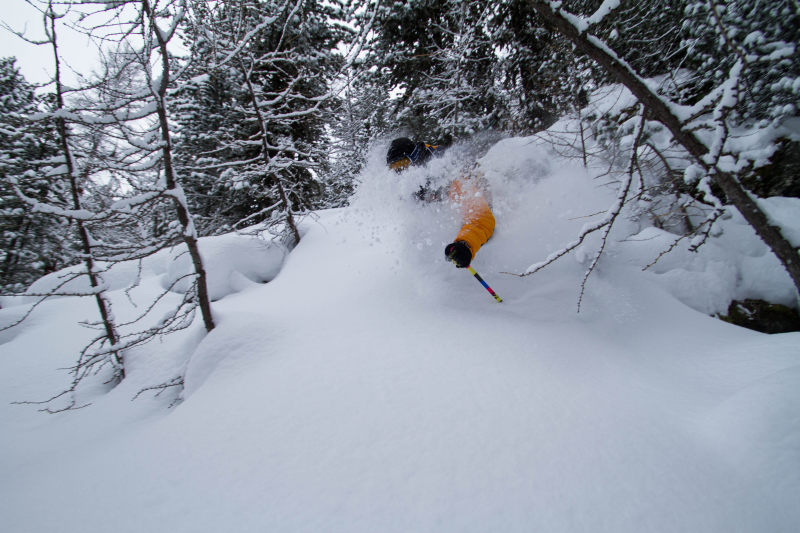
(372, 387)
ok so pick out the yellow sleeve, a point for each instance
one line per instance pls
(477, 214)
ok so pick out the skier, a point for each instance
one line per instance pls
(469, 193)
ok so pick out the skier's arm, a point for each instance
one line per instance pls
(479, 222)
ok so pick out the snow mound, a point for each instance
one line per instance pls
(114, 276)
(734, 264)
(232, 262)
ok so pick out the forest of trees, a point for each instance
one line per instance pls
(206, 117)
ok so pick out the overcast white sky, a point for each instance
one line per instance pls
(36, 62)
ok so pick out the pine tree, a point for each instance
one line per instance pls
(361, 118)
(31, 244)
(211, 136)
(543, 77)
(439, 59)
(266, 68)
(763, 36)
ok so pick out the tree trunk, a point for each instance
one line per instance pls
(184, 217)
(737, 195)
(83, 232)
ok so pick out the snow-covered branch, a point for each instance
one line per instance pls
(664, 111)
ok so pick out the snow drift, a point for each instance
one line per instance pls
(370, 386)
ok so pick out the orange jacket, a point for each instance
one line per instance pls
(471, 195)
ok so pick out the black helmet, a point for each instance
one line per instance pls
(399, 149)
(404, 152)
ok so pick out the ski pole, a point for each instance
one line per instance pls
(488, 288)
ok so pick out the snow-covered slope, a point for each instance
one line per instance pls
(370, 386)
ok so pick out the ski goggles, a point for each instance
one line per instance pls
(400, 164)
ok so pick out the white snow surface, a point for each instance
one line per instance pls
(370, 386)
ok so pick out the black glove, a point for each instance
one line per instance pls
(459, 253)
